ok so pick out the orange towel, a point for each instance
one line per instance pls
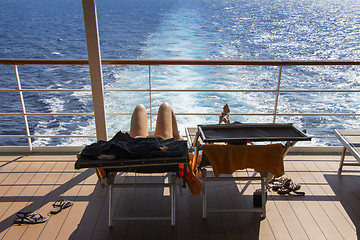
(193, 182)
(226, 158)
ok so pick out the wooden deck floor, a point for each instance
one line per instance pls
(329, 210)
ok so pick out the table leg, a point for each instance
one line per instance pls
(263, 197)
(342, 160)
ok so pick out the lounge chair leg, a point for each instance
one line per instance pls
(342, 160)
(173, 200)
(203, 173)
(204, 204)
(110, 204)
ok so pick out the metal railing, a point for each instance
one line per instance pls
(150, 90)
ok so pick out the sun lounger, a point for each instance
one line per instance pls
(351, 142)
(158, 164)
(236, 154)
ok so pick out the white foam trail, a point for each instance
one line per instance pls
(231, 31)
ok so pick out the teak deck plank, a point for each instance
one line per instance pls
(329, 210)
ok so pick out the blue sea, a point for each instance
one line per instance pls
(181, 29)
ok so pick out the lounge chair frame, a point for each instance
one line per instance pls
(111, 186)
(145, 165)
(351, 143)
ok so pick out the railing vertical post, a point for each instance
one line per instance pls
(277, 94)
(95, 66)
(150, 106)
(23, 106)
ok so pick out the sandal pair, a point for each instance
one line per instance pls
(35, 218)
(291, 187)
(286, 186)
(29, 218)
(60, 205)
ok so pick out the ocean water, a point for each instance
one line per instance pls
(182, 29)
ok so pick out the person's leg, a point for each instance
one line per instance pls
(138, 126)
(166, 125)
(225, 115)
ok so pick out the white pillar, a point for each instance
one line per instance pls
(94, 56)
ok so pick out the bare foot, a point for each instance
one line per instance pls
(225, 115)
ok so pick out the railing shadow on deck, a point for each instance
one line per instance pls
(40, 201)
(347, 191)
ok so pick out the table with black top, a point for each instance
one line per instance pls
(241, 134)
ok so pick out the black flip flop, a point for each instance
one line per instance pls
(60, 205)
(29, 218)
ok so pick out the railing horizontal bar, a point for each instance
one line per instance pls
(128, 90)
(314, 136)
(182, 90)
(45, 90)
(47, 114)
(229, 90)
(318, 114)
(177, 62)
(44, 61)
(47, 136)
(322, 90)
(271, 114)
(227, 62)
(187, 90)
(251, 114)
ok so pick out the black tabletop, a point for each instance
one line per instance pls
(251, 132)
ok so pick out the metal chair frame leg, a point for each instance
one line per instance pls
(206, 210)
(171, 185)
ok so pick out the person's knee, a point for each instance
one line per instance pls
(139, 109)
(165, 105)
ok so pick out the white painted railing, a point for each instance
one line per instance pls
(150, 90)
